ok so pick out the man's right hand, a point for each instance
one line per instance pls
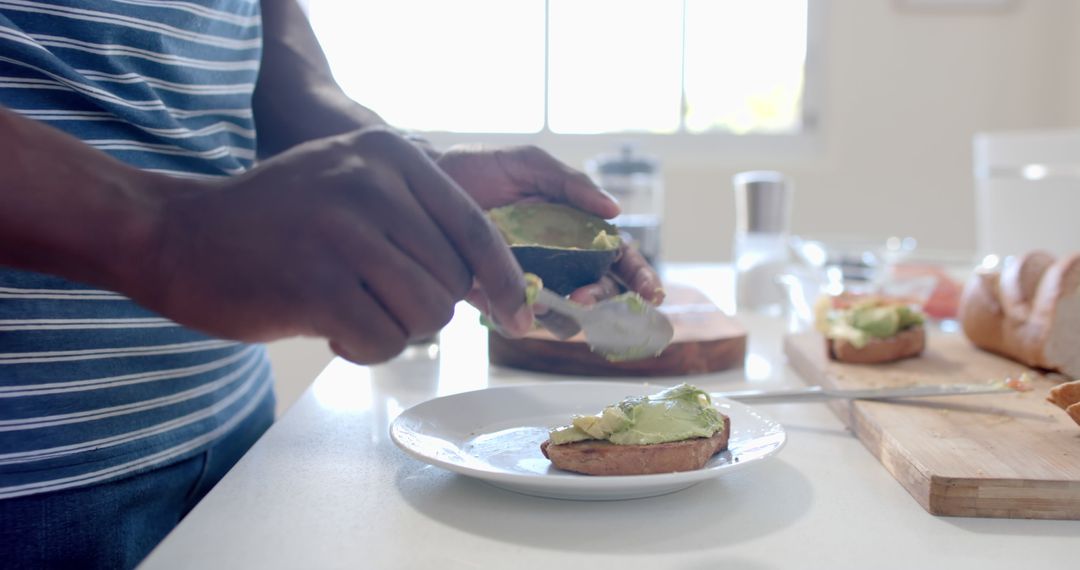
(358, 238)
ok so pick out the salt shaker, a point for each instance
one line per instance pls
(636, 182)
(762, 218)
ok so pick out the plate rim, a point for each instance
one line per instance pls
(582, 482)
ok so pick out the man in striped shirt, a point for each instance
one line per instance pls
(141, 247)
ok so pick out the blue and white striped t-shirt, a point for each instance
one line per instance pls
(92, 386)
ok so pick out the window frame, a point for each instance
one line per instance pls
(682, 146)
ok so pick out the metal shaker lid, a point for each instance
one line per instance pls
(626, 162)
(762, 202)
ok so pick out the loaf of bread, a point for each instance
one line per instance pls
(1029, 311)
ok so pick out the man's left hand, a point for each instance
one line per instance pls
(503, 176)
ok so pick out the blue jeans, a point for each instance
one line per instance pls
(116, 524)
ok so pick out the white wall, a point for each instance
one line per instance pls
(1071, 60)
(904, 93)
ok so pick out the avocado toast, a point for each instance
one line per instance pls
(677, 429)
(870, 330)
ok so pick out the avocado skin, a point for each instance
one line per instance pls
(564, 270)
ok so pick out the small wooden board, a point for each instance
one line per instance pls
(1009, 455)
(706, 340)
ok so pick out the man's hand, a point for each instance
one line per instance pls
(498, 177)
(358, 238)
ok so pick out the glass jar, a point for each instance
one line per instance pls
(636, 182)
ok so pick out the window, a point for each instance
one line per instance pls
(573, 66)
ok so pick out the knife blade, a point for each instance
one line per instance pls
(614, 328)
(819, 394)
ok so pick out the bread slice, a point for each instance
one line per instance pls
(904, 344)
(1029, 312)
(1067, 397)
(595, 457)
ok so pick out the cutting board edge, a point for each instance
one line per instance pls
(912, 477)
(578, 360)
(938, 494)
(986, 497)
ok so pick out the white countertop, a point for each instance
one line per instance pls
(326, 488)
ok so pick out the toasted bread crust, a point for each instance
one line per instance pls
(593, 457)
(1074, 412)
(905, 344)
(1067, 397)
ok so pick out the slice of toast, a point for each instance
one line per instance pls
(1067, 397)
(905, 344)
(595, 457)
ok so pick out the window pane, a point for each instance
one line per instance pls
(467, 65)
(614, 65)
(744, 65)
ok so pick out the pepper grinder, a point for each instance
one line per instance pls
(762, 218)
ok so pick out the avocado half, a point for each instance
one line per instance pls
(566, 247)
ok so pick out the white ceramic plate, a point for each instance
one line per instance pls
(495, 435)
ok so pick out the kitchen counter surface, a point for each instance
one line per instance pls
(326, 488)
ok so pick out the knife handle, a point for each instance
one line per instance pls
(562, 326)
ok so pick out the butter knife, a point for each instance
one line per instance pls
(613, 328)
(819, 394)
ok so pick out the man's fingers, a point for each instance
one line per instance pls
(424, 243)
(532, 166)
(359, 329)
(639, 275)
(407, 293)
(633, 271)
(410, 227)
(478, 299)
(474, 237)
(592, 293)
(562, 326)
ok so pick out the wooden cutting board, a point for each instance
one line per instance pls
(706, 340)
(1001, 455)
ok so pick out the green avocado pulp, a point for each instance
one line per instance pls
(533, 285)
(554, 226)
(678, 413)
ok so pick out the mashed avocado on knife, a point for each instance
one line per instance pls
(865, 319)
(635, 304)
(678, 413)
(533, 285)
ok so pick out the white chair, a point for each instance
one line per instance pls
(1027, 191)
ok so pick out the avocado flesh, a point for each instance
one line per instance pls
(553, 225)
(678, 413)
(533, 285)
(565, 247)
